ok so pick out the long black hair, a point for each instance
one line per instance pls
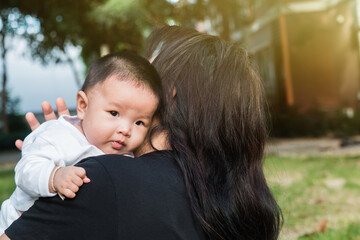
(214, 117)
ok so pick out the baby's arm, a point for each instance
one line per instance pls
(32, 172)
(55, 181)
(67, 180)
(35, 174)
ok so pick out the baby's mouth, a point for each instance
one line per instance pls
(117, 145)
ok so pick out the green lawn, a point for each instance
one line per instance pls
(309, 191)
(7, 183)
(315, 190)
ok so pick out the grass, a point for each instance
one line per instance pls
(351, 232)
(312, 191)
(7, 183)
(308, 190)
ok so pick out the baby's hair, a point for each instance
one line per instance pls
(125, 66)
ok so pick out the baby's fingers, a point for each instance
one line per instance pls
(69, 190)
(18, 144)
(32, 120)
(80, 172)
(77, 181)
(74, 188)
(68, 193)
(86, 179)
(61, 107)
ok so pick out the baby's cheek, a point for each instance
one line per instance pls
(96, 138)
(141, 137)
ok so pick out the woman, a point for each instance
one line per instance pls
(208, 176)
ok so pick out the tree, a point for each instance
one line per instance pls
(125, 23)
(63, 24)
(91, 24)
(115, 24)
(12, 24)
(225, 16)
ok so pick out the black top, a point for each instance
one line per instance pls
(127, 198)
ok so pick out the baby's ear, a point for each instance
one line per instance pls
(81, 104)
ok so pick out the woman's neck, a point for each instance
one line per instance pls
(158, 140)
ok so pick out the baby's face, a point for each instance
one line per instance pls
(118, 115)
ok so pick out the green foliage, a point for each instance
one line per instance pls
(62, 24)
(13, 22)
(90, 24)
(117, 24)
(225, 16)
(17, 123)
(18, 127)
(7, 141)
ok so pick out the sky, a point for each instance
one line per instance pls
(34, 83)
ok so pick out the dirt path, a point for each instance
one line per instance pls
(8, 159)
(313, 147)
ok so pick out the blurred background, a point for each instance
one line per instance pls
(307, 53)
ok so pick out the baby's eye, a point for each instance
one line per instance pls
(139, 123)
(114, 113)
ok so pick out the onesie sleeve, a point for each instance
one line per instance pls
(33, 171)
(78, 218)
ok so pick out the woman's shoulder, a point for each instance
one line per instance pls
(150, 192)
(154, 165)
(156, 159)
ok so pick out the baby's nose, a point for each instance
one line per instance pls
(124, 129)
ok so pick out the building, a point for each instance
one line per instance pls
(307, 52)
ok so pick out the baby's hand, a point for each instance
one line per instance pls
(67, 180)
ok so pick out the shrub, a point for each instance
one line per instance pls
(290, 122)
(18, 130)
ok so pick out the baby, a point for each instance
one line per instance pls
(115, 109)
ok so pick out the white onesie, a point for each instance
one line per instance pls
(53, 143)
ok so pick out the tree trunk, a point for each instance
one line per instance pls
(73, 68)
(4, 120)
(74, 71)
(225, 34)
(223, 9)
(286, 58)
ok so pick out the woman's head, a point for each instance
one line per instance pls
(213, 100)
(211, 89)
